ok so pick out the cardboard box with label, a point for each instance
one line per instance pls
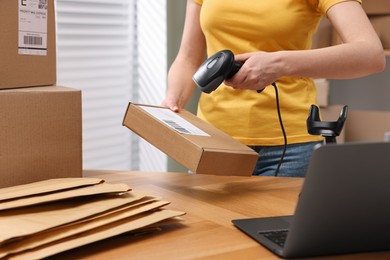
(41, 134)
(190, 141)
(27, 43)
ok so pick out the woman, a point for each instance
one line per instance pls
(273, 40)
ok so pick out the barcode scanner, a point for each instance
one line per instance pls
(221, 66)
(215, 70)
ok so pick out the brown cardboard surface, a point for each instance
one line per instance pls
(322, 86)
(216, 154)
(24, 70)
(381, 24)
(376, 6)
(367, 126)
(41, 135)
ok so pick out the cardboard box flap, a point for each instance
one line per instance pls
(45, 186)
(102, 188)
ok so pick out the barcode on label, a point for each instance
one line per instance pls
(42, 4)
(176, 126)
(32, 40)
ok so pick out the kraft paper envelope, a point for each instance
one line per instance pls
(26, 221)
(100, 233)
(66, 194)
(45, 186)
(70, 230)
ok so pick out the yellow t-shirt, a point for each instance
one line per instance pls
(250, 26)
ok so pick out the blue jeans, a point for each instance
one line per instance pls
(294, 164)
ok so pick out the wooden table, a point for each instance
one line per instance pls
(206, 232)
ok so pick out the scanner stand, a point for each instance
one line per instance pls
(329, 130)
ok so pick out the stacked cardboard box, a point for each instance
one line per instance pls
(368, 126)
(378, 12)
(28, 50)
(40, 123)
(40, 134)
(376, 7)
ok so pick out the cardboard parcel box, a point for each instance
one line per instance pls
(190, 141)
(40, 134)
(368, 126)
(27, 43)
(375, 7)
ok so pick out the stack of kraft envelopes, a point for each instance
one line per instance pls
(44, 218)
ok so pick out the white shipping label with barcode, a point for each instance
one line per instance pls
(174, 121)
(32, 27)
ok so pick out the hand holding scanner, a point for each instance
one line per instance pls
(215, 70)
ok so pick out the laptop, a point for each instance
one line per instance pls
(343, 207)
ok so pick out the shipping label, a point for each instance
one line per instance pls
(32, 27)
(174, 121)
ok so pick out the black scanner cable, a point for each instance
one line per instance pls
(282, 127)
(221, 66)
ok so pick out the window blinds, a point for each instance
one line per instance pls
(94, 50)
(115, 52)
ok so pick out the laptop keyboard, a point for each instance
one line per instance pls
(278, 236)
